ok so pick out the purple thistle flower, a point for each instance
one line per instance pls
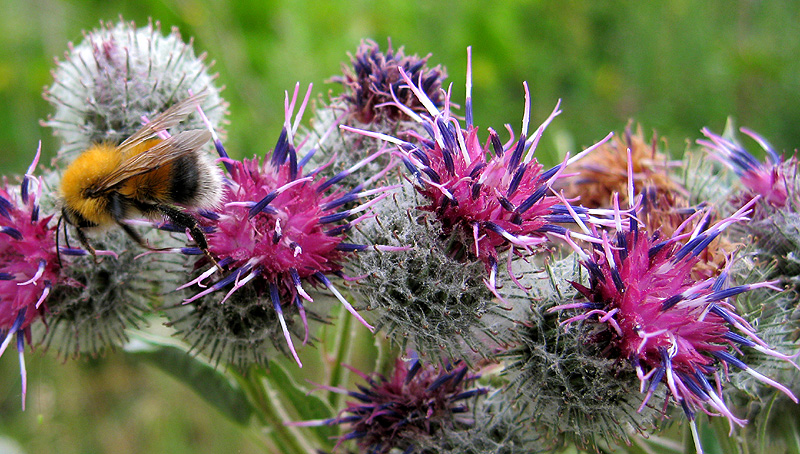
(279, 228)
(495, 194)
(409, 409)
(773, 180)
(29, 263)
(374, 82)
(672, 328)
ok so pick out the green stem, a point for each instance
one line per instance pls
(343, 349)
(792, 436)
(289, 440)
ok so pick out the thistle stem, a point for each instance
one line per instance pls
(288, 439)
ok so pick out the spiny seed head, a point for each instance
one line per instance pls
(279, 228)
(776, 314)
(111, 295)
(777, 240)
(672, 329)
(562, 386)
(410, 409)
(498, 428)
(120, 73)
(427, 298)
(243, 331)
(373, 83)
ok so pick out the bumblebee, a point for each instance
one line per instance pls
(145, 175)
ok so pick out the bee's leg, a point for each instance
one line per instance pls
(85, 243)
(134, 235)
(188, 221)
(79, 222)
(118, 209)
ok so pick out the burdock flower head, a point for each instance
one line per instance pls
(30, 268)
(111, 296)
(424, 298)
(119, 73)
(279, 229)
(776, 224)
(562, 385)
(409, 410)
(674, 330)
(495, 195)
(775, 180)
(374, 83)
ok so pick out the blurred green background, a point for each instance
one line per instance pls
(673, 66)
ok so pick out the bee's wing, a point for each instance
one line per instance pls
(164, 121)
(180, 144)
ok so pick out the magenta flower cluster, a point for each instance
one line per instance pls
(283, 228)
(30, 266)
(774, 180)
(403, 411)
(495, 195)
(280, 228)
(674, 330)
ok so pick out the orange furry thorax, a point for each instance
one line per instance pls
(97, 162)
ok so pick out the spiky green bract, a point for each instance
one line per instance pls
(119, 73)
(705, 183)
(776, 237)
(113, 295)
(243, 331)
(775, 315)
(498, 428)
(429, 298)
(562, 384)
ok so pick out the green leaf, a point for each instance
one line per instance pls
(209, 383)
